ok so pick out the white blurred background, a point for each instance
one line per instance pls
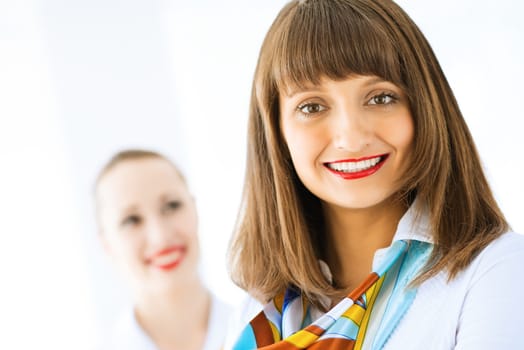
(80, 80)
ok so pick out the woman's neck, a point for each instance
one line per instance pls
(176, 319)
(354, 237)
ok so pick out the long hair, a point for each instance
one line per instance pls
(277, 242)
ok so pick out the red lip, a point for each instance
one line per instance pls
(166, 251)
(384, 156)
(169, 264)
(358, 174)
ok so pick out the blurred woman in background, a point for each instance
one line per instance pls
(148, 226)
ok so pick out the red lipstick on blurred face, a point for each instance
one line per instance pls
(168, 258)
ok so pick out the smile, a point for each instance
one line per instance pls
(350, 169)
(168, 259)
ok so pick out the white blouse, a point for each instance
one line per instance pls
(481, 309)
(128, 335)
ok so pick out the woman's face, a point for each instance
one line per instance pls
(149, 224)
(349, 140)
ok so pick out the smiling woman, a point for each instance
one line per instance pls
(82, 79)
(148, 226)
(367, 218)
(142, 202)
(352, 128)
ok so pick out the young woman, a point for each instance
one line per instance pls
(367, 221)
(148, 226)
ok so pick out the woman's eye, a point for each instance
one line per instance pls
(131, 220)
(311, 108)
(382, 99)
(172, 205)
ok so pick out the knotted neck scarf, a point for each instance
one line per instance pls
(285, 322)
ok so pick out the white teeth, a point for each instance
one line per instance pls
(167, 258)
(353, 167)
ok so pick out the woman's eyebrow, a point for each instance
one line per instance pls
(289, 93)
(292, 91)
(132, 208)
(375, 80)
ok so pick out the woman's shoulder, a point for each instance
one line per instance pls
(219, 314)
(219, 308)
(240, 317)
(494, 284)
(508, 244)
(504, 255)
(127, 334)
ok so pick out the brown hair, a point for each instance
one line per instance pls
(278, 242)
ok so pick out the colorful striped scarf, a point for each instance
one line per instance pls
(285, 323)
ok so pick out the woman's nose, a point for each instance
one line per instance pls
(350, 131)
(159, 230)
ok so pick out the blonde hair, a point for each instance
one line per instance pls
(126, 156)
(280, 229)
(130, 155)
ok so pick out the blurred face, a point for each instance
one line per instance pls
(349, 140)
(149, 224)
